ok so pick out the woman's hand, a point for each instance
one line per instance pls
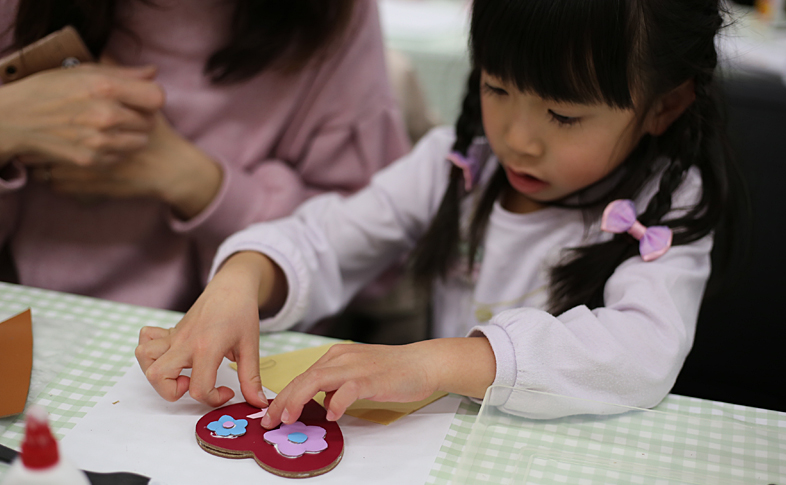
(404, 373)
(169, 168)
(224, 322)
(91, 114)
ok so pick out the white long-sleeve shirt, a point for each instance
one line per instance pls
(628, 352)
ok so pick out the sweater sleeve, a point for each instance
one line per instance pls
(8, 10)
(628, 352)
(333, 245)
(13, 176)
(346, 128)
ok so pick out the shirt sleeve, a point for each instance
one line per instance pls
(347, 128)
(333, 245)
(627, 353)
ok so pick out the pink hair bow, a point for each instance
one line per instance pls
(469, 165)
(620, 216)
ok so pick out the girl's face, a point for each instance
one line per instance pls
(548, 149)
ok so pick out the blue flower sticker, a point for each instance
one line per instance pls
(227, 426)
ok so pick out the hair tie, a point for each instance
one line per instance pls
(469, 165)
(620, 216)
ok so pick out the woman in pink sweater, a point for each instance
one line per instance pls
(121, 182)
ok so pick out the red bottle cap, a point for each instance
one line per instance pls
(39, 448)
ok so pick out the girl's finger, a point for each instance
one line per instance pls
(203, 380)
(152, 333)
(248, 374)
(278, 411)
(342, 399)
(328, 398)
(274, 409)
(304, 387)
(164, 376)
(150, 351)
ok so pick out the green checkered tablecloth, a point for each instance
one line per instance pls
(83, 346)
(682, 441)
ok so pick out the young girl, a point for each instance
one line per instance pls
(540, 282)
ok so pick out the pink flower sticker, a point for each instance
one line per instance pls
(293, 440)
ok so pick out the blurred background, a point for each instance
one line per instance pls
(427, 44)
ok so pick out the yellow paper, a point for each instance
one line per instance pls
(276, 371)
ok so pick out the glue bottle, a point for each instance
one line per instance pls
(39, 462)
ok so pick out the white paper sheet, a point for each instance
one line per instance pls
(133, 429)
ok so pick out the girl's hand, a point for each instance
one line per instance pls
(224, 322)
(169, 168)
(404, 373)
(87, 115)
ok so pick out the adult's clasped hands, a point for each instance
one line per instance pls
(97, 131)
(87, 116)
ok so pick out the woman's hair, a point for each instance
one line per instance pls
(264, 33)
(609, 52)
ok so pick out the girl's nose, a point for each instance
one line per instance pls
(522, 138)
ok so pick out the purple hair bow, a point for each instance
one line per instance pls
(620, 216)
(469, 165)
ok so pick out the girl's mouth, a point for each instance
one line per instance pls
(525, 184)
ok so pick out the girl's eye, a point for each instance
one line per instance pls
(563, 120)
(488, 88)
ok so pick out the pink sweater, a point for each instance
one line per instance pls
(278, 139)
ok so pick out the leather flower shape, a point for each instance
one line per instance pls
(227, 426)
(292, 440)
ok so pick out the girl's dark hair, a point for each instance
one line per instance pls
(264, 33)
(600, 51)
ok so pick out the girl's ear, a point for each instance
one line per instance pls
(669, 107)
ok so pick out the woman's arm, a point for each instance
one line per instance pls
(342, 126)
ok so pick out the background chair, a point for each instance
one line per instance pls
(739, 355)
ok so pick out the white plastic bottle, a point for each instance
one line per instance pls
(39, 462)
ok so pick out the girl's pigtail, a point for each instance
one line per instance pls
(469, 123)
(438, 247)
(480, 219)
(581, 279)
(695, 139)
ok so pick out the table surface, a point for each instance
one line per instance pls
(89, 346)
